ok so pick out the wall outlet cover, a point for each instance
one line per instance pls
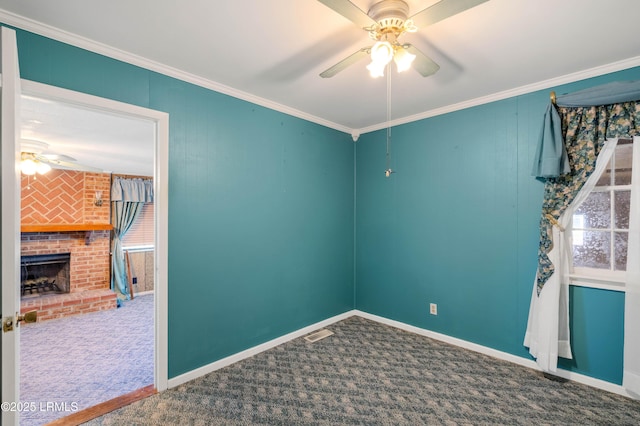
(433, 309)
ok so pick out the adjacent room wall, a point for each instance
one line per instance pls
(260, 206)
(457, 225)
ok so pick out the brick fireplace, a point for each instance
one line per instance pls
(59, 216)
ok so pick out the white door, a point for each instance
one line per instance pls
(10, 226)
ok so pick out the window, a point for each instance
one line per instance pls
(141, 233)
(601, 224)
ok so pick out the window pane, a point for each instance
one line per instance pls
(595, 251)
(141, 232)
(605, 178)
(621, 251)
(623, 156)
(596, 211)
(622, 201)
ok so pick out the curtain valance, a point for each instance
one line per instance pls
(551, 158)
(136, 190)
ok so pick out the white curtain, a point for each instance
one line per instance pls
(547, 335)
(631, 375)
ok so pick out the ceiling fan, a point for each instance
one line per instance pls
(36, 158)
(385, 22)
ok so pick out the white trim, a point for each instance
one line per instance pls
(529, 363)
(451, 340)
(34, 88)
(510, 93)
(601, 283)
(598, 278)
(161, 250)
(585, 282)
(161, 190)
(121, 55)
(565, 374)
(248, 353)
(136, 249)
(10, 223)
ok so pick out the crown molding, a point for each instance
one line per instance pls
(57, 34)
(522, 90)
(121, 55)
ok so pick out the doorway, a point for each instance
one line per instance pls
(158, 124)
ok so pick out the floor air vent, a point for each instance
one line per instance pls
(314, 337)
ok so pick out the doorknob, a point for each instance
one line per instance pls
(7, 323)
(31, 316)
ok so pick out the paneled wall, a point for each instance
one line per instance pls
(142, 270)
(261, 219)
(457, 225)
(260, 206)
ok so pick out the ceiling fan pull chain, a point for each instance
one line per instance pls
(388, 156)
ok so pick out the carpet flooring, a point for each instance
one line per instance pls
(80, 361)
(372, 374)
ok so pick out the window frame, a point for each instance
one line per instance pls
(606, 279)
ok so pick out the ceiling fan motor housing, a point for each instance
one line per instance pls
(33, 146)
(390, 16)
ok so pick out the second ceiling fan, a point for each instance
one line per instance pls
(385, 22)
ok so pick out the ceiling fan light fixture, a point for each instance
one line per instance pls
(42, 168)
(28, 167)
(382, 53)
(403, 59)
(376, 69)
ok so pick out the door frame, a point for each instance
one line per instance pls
(10, 223)
(160, 181)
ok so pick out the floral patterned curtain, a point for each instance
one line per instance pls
(585, 130)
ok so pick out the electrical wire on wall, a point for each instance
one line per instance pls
(388, 170)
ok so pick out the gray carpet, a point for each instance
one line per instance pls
(86, 359)
(372, 374)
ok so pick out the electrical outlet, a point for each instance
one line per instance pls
(433, 309)
(134, 280)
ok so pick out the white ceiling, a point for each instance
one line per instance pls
(272, 52)
(107, 141)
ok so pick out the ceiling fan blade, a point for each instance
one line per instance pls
(422, 63)
(346, 62)
(441, 10)
(61, 157)
(350, 11)
(59, 164)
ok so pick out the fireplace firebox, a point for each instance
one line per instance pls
(44, 274)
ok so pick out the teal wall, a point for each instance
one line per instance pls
(260, 206)
(457, 225)
(261, 219)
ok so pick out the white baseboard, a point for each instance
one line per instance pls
(565, 374)
(224, 362)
